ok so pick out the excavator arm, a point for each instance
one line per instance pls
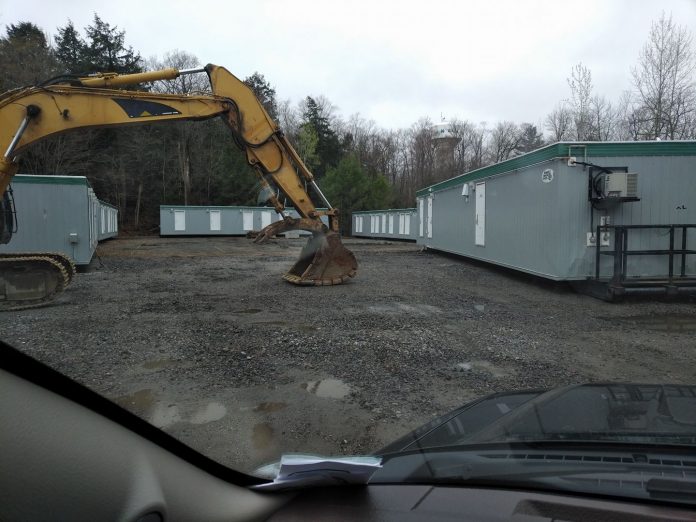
(31, 114)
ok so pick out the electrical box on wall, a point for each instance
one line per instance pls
(612, 186)
(621, 185)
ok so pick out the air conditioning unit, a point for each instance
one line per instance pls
(621, 185)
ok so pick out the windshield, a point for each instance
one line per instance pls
(500, 216)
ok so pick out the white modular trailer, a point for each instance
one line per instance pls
(190, 220)
(618, 212)
(59, 214)
(385, 224)
(108, 221)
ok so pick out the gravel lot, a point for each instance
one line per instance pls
(202, 337)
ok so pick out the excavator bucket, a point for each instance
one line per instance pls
(323, 260)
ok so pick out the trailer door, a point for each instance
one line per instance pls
(481, 214)
(266, 217)
(215, 221)
(179, 220)
(430, 216)
(420, 216)
(247, 220)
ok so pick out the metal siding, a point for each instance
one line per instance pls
(372, 224)
(541, 228)
(582, 150)
(48, 212)
(231, 220)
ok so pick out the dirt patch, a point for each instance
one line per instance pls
(201, 337)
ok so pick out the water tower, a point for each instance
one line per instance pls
(444, 143)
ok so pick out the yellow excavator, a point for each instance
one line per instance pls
(30, 114)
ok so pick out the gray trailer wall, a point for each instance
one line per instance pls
(56, 214)
(221, 221)
(385, 224)
(108, 221)
(541, 227)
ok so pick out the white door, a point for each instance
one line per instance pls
(266, 217)
(391, 223)
(480, 214)
(430, 216)
(215, 220)
(420, 216)
(384, 223)
(247, 220)
(179, 220)
(407, 224)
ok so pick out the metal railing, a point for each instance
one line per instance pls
(621, 251)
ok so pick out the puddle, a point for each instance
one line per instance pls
(662, 322)
(269, 407)
(495, 371)
(306, 328)
(328, 388)
(263, 435)
(422, 310)
(480, 308)
(156, 364)
(248, 311)
(137, 402)
(211, 412)
(164, 415)
(271, 323)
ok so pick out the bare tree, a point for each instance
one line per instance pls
(580, 83)
(603, 119)
(289, 119)
(185, 134)
(664, 81)
(185, 84)
(505, 137)
(559, 123)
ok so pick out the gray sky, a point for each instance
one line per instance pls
(392, 61)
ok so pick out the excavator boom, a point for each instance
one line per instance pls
(31, 114)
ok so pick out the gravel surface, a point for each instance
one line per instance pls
(201, 337)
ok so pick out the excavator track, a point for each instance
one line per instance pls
(32, 280)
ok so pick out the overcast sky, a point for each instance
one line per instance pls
(392, 61)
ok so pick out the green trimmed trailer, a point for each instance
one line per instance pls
(399, 223)
(59, 214)
(611, 217)
(191, 220)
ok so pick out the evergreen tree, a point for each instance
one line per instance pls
(328, 145)
(25, 56)
(104, 49)
(264, 92)
(71, 49)
(348, 187)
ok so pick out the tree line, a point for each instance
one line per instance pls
(358, 164)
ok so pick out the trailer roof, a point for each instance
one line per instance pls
(384, 210)
(564, 149)
(223, 207)
(50, 179)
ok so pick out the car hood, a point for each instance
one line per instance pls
(617, 412)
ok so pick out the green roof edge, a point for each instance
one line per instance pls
(50, 180)
(184, 207)
(563, 149)
(412, 209)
